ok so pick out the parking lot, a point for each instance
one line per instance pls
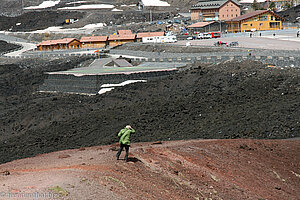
(282, 40)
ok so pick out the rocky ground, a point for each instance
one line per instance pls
(31, 21)
(291, 14)
(5, 47)
(188, 170)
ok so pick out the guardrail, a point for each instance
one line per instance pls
(291, 61)
(12, 50)
(270, 60)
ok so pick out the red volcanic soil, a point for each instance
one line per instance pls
(191, 169)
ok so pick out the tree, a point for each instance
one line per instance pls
(287, 5)
(272, 6)
(255, 5)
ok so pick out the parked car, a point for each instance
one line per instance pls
(200, 36)
(177, 21)
(220, 43)
(233, 44)
(204, 36)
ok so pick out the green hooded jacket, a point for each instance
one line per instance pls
(124, 135)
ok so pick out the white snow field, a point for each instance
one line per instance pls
(155, 3)
(45, 4)
(85, 7)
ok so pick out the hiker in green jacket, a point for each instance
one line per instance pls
(124, 136)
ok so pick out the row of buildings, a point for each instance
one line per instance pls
(122, 36)
(229, 12)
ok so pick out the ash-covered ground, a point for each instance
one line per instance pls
(5, 47)
(227, 100)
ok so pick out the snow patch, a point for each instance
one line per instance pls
(155, 3)
(251, 1)
(92, 6)
(103, 90)
(45, 4)
(116, 10)
(109, 87)
(59, 29)
(132, 5)
(76, 2)
(123, 83)
(92, 26)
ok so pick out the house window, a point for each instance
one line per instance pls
(231, 15)
(250, 24)
(236, 15)
(261, 24)
(223, 15)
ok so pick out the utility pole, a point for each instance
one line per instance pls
(22, 6)
(150, 15)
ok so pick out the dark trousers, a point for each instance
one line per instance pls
(121, 149)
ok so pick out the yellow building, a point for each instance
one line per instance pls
(260, 20)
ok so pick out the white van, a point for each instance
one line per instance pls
(204, 36)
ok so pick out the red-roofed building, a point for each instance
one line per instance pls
(200, 24)
(94, 42)
(259, 20)
(66, 43)
(114, 40)
(215, 10)
(148, 34)
(124, 32)
(200, 27)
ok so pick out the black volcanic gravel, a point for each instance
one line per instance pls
(228, 100)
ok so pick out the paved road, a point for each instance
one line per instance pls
(283, 40)
(270, 42)
(11, 39)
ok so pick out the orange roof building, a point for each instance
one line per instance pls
(149, 34)
(114, 40)
(94, 42)
(66, 43)
(200, 24)
(124, 32)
